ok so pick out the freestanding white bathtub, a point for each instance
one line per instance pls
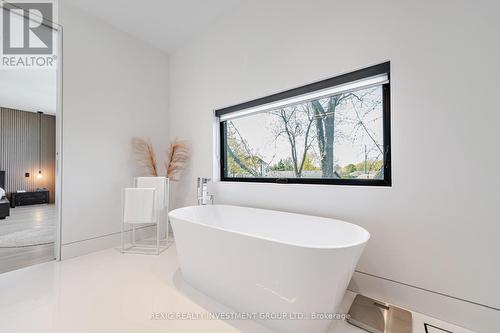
(287, 271)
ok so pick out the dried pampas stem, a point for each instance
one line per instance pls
(177, 157)
(144, 153)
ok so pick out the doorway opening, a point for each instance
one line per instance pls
(30, 132)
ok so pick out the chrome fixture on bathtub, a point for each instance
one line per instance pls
(203, 197)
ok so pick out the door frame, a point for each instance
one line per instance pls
(59, 141)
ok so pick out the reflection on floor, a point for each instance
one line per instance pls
(26, 236)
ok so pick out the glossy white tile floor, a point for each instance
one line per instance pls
(110, 292)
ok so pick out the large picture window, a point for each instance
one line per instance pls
(336, 131)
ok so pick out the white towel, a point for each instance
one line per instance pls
(138, 205)
(158, 183)
(2, 193)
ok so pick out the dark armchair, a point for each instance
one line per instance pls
(4, 203)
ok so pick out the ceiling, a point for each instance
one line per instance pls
(29, 89)
(165, 24)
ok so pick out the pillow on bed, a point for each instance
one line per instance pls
(2, 193)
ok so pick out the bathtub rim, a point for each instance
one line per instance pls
(365, 234)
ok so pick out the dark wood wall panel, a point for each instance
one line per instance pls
(19, 150)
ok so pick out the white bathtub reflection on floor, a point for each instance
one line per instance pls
(268, 262)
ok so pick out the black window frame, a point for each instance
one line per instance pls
(383, 68)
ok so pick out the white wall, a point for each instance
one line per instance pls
(114, 87)
(437, 227)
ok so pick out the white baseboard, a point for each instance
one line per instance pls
(462, 313)
(85, 246)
